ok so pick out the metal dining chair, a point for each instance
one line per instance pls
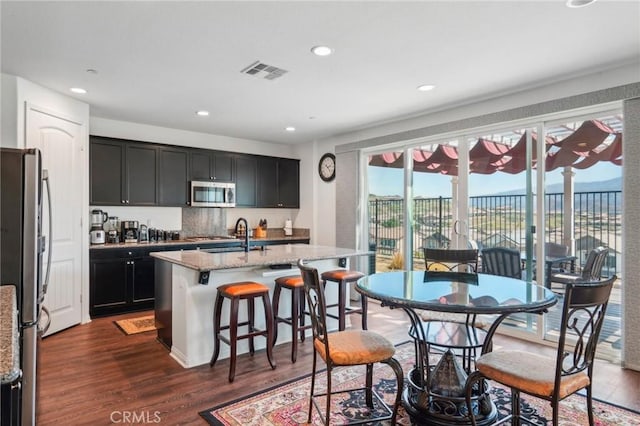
(346, 348)
(464, 331)
(502, 261)
(552, 378)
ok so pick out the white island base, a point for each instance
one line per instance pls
(190, 306)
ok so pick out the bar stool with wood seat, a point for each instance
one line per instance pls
(297, 318)
(344, 277)
(249, 291)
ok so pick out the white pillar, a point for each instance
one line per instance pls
(568, 231)
(631, 236)
(408, 209)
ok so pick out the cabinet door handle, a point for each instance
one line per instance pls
(123, 202)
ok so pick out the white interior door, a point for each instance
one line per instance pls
(59, 140)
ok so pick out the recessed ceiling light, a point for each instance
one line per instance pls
(579, 3)
(321, 50)
(426, 87)
(290, 129)
(78, 90)
(202, 113)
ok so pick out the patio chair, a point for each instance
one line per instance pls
(502, 261)
(591, 271)
(557, 250)
(552, 378)
(464, 330)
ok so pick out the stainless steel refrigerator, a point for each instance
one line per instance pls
(22, 246)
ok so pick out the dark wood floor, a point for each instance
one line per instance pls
(94, 374)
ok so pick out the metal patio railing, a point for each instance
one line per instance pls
(499, 220)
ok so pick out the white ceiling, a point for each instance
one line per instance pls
(159, 62)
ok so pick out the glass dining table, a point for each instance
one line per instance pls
(456, 292)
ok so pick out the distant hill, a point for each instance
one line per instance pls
(614, 184)
(588, 202)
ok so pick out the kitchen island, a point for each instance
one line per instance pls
(186, 283)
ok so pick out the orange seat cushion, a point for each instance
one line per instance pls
(531, 373)
(342, 275)
(243, 288)
(295, 281)
(356, 347)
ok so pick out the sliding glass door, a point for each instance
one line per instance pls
(583, 211)
(508, 187)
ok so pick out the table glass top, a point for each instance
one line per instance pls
(456, 292)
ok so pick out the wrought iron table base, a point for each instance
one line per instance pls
(427, 408)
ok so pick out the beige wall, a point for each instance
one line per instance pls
(631, 236)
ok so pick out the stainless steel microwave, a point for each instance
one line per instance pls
(213, 194)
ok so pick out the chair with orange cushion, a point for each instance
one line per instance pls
(346, 348)
(548, 377)
(249, 291)
(297, 316)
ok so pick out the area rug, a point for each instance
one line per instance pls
(137, 325)
(287, 404)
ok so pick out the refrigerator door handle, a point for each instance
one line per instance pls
(45, 178)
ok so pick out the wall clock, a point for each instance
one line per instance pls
(327, 167)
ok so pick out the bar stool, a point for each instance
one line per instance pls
(249, 291)
(297, 318)
(344, 277)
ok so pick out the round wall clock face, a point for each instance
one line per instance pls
(327, 167)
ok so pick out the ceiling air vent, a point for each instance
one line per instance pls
(263, 70)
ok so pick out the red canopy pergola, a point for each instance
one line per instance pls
(586, 146)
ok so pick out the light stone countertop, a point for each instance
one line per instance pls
(9, 346)
(201, 261)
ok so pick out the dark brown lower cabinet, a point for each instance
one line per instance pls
(121, 280)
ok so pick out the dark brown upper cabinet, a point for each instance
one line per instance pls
(211, 165)
(246, 180)
(173, 177)
(278, 182)
(125, 172)
(122, 173)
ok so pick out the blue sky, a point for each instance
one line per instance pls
(389, 181)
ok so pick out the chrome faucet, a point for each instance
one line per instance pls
(246, 232)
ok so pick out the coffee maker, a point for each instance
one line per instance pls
(130, 231)
(113, 230)
(98, 218)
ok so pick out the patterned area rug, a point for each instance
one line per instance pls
(287, 404)
(137, 325)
